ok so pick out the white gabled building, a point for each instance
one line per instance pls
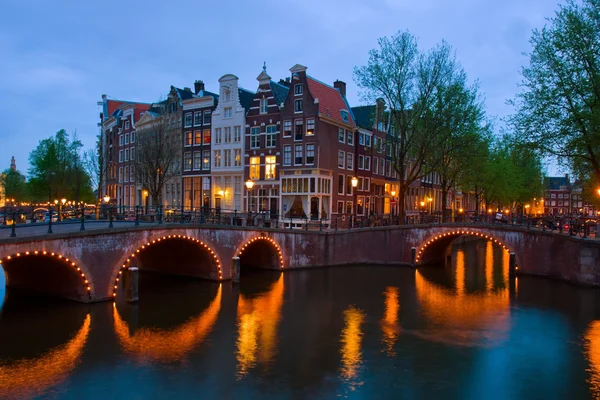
(228, 126)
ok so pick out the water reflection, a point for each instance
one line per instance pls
(148, 345)
(351, 341)
(258, 318)
(389, 324)
(31, 377)
(592, 348)
(462, 317)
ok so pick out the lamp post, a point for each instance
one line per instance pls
(393, 193)
(62, 209)
(106, 200)
(354, 182)
(249, 186)
(460, 212)
(422, 209)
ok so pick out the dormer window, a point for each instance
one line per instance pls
(344, 115)
(227, 95)
(263, 105)
(297, 89)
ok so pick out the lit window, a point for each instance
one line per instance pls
(206, 136)
(270, 168)
(217, 158)
(237, 158)
(310, 127)
(197, 137)
(206, 160)
(255, 168)
(188, 138)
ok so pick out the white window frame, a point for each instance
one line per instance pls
(296, 87)
(342, 158)
(287, 150)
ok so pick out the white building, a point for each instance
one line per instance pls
(228, 126)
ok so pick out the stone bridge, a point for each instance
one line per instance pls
(88, 266)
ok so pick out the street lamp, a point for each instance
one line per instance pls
(422, 210)
(249, 186)
(354, 182)
(393, 193)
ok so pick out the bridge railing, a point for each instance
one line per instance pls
(23, 222)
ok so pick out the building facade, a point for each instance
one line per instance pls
(228, 125)
(262, 145)
(197, 142)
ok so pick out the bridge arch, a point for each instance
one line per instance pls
(48, 272)
(136, 256)
(252, 252)
(437, 242)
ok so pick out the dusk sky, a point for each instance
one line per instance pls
(59, 57)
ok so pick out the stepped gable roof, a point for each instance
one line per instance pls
(280, 92)
(331, 100)
(246, 97)
(557, 183)
(364, 116)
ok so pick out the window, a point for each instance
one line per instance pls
(197, 118)
(127, 138)
(132, 137)
(126, 175)
(227, 95)
(344, 115)
(255, 168)
(341, 159)
(367, 184)
(188, 139)
(126, 154)
(381, 166)
(131, 174)
(217, 158)
(132, 154)
(207, 115)
(206, 137)
(287, 128)
(228, 134)
(340, 207)
(270, 168)
(218, 136)
(310, 127)
(351, 138)
(255, 137)
(197, 159)
(389, 168)
(310, 154)
(264, 105)
(375, 166)
(287, 155)
(341, 136)
(206, 160)
(237, 158)
(227, 158)
(298, 106)
(188, 120)
(271, 129)
(297, 89)
(361, 139)
(348, 184)
(120, 174)
(237, 134)
(299, 129)
(120, 155)
(552, 196)
(227, 112)
(197, 137)
(560, 196)
(126, 124)
(298, 154)
(367, 163)
(121, 140)
(368, 140)
(361, 162)
(341, 180)
(187, 161)
(350, 161)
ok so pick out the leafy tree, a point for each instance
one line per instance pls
(57, 171)
(558, 111)
(412, 84)
(14, 185)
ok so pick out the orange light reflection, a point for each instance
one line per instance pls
(258, 319)
(389, 323)
(149, 344)
(351, 342)
(29, 378)
(592, 349)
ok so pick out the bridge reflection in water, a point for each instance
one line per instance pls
(166, 345)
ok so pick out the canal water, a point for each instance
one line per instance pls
(456, 331)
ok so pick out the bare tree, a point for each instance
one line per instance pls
(409, 82)
(96, 164)
(158, 151)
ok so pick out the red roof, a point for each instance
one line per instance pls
(330, 100)
(139, 109)
(113, 105)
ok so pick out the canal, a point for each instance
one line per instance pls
(461, 330)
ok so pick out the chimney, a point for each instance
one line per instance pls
(13, 164)
(285, 82)
(187, 89)
(341, 86)
(198, 86)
